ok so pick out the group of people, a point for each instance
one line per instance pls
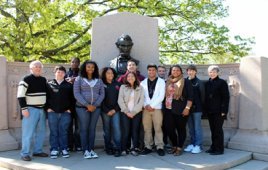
(140, 115)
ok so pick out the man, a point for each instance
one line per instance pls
(161, 71)
(74, 143)
(194, 121)
(154, 93)
(32, 92)
(59, 104)
(131, 67)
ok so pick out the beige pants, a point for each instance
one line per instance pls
(152, 120)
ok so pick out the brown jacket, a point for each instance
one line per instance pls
(123, 99)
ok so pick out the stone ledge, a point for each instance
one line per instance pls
(250, 140)
(261, 157)
(7, 142)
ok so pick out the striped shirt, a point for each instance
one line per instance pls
(32, 91)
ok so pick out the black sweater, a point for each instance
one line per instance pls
(199, 95)
(111, 96)
(32, 91)
(60, 96)
(217, 96)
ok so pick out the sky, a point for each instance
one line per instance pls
(249, 18)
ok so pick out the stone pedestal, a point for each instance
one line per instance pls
(7, 142)
(253, 110)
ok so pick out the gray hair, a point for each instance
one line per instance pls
(35, 63)
(214, 67)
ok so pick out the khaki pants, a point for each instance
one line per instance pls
(152, 120)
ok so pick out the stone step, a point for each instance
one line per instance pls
(252, 164)
(188, 161)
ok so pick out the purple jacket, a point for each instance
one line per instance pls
(85, 95)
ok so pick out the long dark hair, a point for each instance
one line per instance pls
(103, 74)
(83, 72)
(136, 82)
(176, 65)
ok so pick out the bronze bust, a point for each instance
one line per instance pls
(124, 44)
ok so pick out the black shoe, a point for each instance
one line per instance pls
(109, 151)
(42, 154)
(26, 158)
(216, 153)
(210, 150)
(146, 151)
(160, 152)
(117, 153)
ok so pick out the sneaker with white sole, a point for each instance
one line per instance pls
(189, 148)
(93, 154)
(196, 149)
(87, 154)
(54, 154)
(65, 153)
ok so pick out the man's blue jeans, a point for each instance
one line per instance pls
(88, 122)
(34, 125)
(111, 128)
(195, 128)
(132, 125)
(58, 125)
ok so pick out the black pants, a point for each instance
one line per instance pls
(217, 136)
(175, 126)
(130, 127)
(73, 133)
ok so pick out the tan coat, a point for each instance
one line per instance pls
(123, 99)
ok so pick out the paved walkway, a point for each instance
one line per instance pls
(231, 158)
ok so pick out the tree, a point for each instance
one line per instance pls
(56, 30)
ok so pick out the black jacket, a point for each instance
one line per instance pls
(217, 96)
(60, 96)
(199, 95)
(111, 96)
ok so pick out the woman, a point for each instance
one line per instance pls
(130, 100)
(89, 93)
(216, 107)
(179, 96)
(110, 112)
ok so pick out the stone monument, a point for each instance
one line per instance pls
(252, 133)
(143, 31)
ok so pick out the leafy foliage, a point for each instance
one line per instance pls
(56, 30)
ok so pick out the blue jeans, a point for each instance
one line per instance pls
(58, 125)
(111, 128)
(34, 124)
(195, 128)
(128, 124)
(88, 122)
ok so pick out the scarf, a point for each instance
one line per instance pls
(178, 84)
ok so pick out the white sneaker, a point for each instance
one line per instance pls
(189, 148)
(87, 154)
(196, 149)
(54, 154)
(65, 153)
(93, 154)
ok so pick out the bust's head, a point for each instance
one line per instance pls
(124, 44)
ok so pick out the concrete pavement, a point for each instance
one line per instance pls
(187, 161)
